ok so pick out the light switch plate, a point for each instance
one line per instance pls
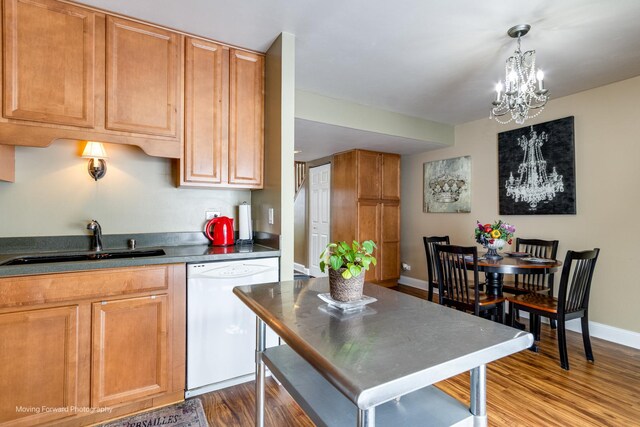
(271, 216)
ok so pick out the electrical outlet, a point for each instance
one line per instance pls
(406, 267)
(211, 214)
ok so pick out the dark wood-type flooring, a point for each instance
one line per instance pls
(525, 389)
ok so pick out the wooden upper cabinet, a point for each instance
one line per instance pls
(390, 176)
(368, 164)
(49, 53)
(206, 112)
(246, 119)
(7, 163)
(143, 78)
(39, 364)
(130, 349)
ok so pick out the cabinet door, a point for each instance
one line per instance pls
(143, 78)
(246, 119)
(369, 229)
(38, 364)
(390, 242)
(368, 179)
(49, 62)
(390, 177)
(7, 163)
(206, 112)
(129, 350)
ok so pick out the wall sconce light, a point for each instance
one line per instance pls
(96, 153)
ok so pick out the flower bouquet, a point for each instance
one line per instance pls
(494, 236)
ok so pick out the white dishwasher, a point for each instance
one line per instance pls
(220, 328)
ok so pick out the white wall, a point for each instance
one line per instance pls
(607, 128)
(54, 195)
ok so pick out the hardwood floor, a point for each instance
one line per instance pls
(525, 389)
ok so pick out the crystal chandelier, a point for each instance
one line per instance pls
(533, 185)
(523, 85)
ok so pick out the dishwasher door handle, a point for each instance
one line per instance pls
(233, 271)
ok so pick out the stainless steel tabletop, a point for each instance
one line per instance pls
(396, 345)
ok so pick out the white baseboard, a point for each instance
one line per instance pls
(596, 330)
(602, 331)
(300, 268)
(415, 283)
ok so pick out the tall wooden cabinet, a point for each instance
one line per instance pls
(365, 205)
(224, 117)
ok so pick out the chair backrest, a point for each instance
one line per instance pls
(575, 282)
(429, 245)
(540, 249)
(455, 286)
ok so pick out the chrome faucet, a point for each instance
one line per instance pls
(96, 239)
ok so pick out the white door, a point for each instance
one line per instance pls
(319, 215)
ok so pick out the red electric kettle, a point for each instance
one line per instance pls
(220, 231)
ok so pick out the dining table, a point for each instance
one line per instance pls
(495, 269)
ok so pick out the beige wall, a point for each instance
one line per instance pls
(607, 128)
(54, 195)
(279, 180)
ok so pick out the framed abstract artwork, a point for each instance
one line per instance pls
(447, 185)
(536, 169)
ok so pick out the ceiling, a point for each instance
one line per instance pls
(437, 60)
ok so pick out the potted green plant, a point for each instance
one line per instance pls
(347, 265)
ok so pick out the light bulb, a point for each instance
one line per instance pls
(540, 77)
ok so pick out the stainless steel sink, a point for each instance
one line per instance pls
(84, 256)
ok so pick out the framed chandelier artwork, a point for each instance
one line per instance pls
(447, 185)
(536, 169)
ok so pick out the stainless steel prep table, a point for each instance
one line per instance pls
(378, 364)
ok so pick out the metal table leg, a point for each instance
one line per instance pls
(260, 346)
(479, 395)
(367, 417)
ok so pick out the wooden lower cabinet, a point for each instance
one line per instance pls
(369, 229)
(38, 364)
(380, 222)
(78, 358)
(129, 350)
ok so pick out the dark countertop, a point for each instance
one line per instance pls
(178, 247)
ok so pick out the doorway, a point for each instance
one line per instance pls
(319, 215)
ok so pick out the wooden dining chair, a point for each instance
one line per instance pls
(572, 302)
(429, 245)
(459, 287)
(528, 283)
